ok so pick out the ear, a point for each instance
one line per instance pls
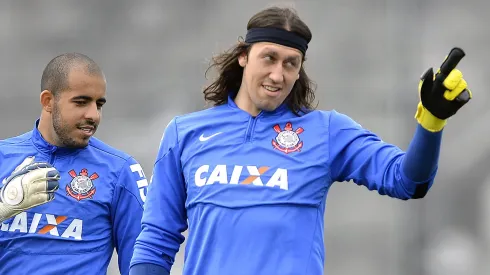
(242, 59)
(47, 100)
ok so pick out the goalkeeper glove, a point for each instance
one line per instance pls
(30, 184)
(442, 94)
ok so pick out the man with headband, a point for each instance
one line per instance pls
(249, 177)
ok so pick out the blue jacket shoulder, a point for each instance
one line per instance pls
(186, 123)
(199, 117)
(16, 145)
(332, 117)
(107, 151)
(19, 140)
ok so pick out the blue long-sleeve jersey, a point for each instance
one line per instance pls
(252, 190)
(97, 208)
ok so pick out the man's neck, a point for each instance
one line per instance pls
(45, 128)
(243, 101)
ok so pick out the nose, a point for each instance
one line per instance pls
(93, 112)
(277, 74)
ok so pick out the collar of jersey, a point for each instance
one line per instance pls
(45, 147)
(282, 109)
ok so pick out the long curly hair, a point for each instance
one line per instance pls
(230, 72)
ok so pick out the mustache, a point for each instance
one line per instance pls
(87, 123)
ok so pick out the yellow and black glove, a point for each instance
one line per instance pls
(442, 94)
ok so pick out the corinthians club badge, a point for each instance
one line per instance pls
(81, 186)
(287, 140)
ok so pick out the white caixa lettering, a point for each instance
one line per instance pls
(44, 224)
(253, 175)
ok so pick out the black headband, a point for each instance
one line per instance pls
(278, 36)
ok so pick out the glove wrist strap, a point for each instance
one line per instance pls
(428, 120)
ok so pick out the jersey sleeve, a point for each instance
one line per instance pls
(127, 210)
(361, 156)
(164, 217)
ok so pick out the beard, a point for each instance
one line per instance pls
(63, 131)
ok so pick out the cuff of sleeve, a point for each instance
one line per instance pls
(148, 269)
(417, 189)
(406, 179)
(427, 120)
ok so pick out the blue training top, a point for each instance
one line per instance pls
(252, 190)
(97, 208)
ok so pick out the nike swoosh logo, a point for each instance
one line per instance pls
(203, 138)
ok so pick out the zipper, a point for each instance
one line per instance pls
(51, 159)
(251, 127)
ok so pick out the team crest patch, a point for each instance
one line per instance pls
(82, 185)
(287, 140)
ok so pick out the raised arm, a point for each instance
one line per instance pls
(359, 155)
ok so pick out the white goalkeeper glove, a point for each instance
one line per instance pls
(30, 184)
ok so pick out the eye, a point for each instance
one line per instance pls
(268, 57)
(80, 103)
(99, 105)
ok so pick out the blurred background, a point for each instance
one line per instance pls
(366, 57)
